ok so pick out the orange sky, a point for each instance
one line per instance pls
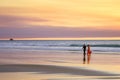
(88, 18)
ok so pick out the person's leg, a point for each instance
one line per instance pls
(84, 59)
(88, 58)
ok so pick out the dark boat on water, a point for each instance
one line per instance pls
(11, 39)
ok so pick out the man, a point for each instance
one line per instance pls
(84, 53)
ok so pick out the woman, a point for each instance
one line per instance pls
(88, 53)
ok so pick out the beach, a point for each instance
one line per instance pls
(57, 65)
(59, 40)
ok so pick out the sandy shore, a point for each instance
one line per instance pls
(57, 65)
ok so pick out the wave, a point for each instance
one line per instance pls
(98, 45)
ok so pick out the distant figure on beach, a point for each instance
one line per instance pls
(84, 53)
(88, 53)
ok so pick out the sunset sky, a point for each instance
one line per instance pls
(59, 19)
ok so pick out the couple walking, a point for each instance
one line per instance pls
(88, 53)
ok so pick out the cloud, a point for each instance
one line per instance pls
(55, 32)
(10, 20)
(70, 15)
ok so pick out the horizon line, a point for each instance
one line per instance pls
(83, 38)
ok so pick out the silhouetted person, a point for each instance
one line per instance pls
(84, 53)
(88, 53)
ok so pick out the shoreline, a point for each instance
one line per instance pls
(60, 51)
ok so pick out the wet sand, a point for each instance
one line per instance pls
(57, 65)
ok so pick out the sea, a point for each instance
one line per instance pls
(62, 45)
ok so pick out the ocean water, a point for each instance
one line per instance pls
(62, 45)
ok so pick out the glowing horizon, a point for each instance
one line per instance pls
(83, 38)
